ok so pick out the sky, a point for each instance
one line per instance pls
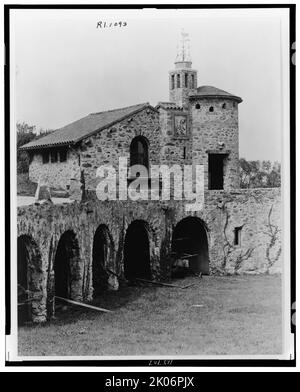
(64, 67)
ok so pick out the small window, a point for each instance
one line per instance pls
(237, 235)
(193, 81)
(198, 106)
(54, 156)
(172, 82)
(185, 80)
(178, 81)
(63, 155)
(184, 152)
(224, 106)
(234, 104)
(211, 109)
(45, 156)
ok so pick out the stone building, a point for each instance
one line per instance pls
(71, 250)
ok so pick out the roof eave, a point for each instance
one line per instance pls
(202, 96)
(75, 141)
(116, 121)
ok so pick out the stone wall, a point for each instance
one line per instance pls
(56, 175)
(257, 211)
(104, 147)
(216, 132)
(207, 132)
(172, 147)
(107, 146)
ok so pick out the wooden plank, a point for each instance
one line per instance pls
(189, 285)
(166, 284)
(187, 256)
(84, 305)
(159, 283)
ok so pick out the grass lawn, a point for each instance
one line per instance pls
(239, 315)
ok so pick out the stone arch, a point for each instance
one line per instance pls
(137, 263)
(190, 239)
(30, 280)
(103, 258)
(67, 271)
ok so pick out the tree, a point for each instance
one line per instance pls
(25, 135)
(259, 174)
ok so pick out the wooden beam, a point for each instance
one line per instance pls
(84, 305)
(165, 284)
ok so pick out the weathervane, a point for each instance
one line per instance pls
(183, 48)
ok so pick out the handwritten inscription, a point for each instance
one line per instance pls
(104, 24)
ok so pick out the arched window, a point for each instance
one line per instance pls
(178, 80)
(224, 106)
(172, 82)
(211, 109)
(197, 106)
(139, 152)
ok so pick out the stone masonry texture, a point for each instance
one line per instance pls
(210, 127)
(256, 210)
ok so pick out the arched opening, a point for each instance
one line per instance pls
(137, 251)
(139, 154)
(211, 109)
(66, 266)
(197, 106)
(190, 243)
(30, 276)
(102, 255)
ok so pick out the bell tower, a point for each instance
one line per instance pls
(183, 79)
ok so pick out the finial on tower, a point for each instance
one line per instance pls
(183, 48)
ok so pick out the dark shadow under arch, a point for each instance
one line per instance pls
(103, 254)
(137, 251)
(66, 264)
(190, 240)
(29, 276)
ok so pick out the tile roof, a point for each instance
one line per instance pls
(80, 129)
(168, 105)
(210, 91)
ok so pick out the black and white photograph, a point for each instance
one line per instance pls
(150, 184)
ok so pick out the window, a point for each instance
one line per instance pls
(184, 152)
(224, 106)
(237, 235)
(198, 106)
(63, 155)
(193, 81)
(178, 81)
(185, 80)
(234, 104)
(172, 82)
(139, 152)
(211, 109)
(216, 171)
(45, 155)
(53, 156)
